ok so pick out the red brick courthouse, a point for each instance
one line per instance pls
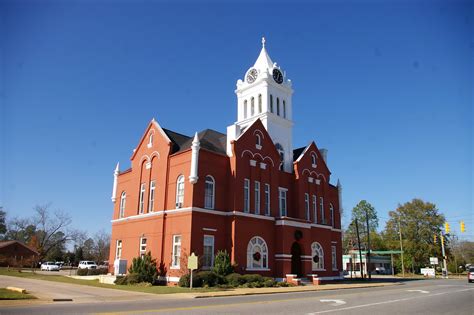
(272, 207)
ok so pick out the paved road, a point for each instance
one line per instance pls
(414, 297)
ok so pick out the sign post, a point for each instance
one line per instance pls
(192, 265)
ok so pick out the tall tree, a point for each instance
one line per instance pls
(419, 221)
(3, 224)
(359, 212)
(101, 246)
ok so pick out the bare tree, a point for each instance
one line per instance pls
(101, 245)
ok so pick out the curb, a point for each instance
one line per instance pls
(214, 295)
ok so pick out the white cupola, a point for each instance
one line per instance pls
(265, 93)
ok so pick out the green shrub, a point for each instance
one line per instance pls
(144, 268)
(91, 272)
(283, 284)
(234, 279)
(184, 280)
(249, 278)
(268, 283)
(222, 265)
(120, 280)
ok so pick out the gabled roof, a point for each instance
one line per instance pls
(298, 152)
(209, 139)
(5, 244)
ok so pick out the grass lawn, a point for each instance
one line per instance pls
(12, 295)
(95, 283)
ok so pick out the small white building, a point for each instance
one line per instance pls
(381, 262)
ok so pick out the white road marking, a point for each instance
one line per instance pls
(421, 291)
(386, 302)
(335, 302)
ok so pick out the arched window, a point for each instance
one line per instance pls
(150, 140)
(284, 109)
(180, 191)
(209, 192)
(252, 107)
(123, 200)
(245, 109)
(259, 103)
(141, 205)
(257, 254)
(331, 214)
(281, 152)
(278, 106)
(258, 141)
(313, 159)
(271, 103)
(317, 255)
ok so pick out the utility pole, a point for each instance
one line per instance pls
(445, 271)
(401, 245)
(368, 245)
(360, 251)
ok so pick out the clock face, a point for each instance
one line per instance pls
(277, 76)
(252, 75)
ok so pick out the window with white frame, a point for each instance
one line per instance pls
(142, 197)
(315, 209)
(258, 141)
(151, 202)
(333, 257)
(208, 252)
(150, 140)
(331, 214)
(306, 206)
(123, 200)
(257, 197)
(209, 192)
(180, 191)
(267, 199)
(321, 209)
(246, 195)
(282, 198)
(257, 253)
(118, 249)
(317, 255)
(176, 255)
(313, 160)
(142, 246)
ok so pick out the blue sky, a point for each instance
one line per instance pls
(385, 86)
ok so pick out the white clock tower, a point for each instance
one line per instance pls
(265, 93)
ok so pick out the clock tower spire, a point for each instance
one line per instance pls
(265, 94)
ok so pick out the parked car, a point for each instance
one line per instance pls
(104, 264)
(87, 264)
(49, 266)
(470, 274)
(380, 270)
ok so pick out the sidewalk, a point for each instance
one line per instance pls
(253, 291)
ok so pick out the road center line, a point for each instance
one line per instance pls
(385, 302)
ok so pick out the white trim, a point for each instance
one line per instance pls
(251, 215)
(293, 223)
(329, 278)
(258, 147)
(148, 165)
(310, 179)
(257, 269)
(149, 145)
(253, 163)
(258, 154)
(333, 242)
(318, 182)
(303, 153)
(161, 130)
(263, 166)
(209, 229)
(283, 255)
(307, 256)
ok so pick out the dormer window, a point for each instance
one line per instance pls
(245, 109)
(259, 103)
(252, 107)
(258, 141)
(313, 160)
